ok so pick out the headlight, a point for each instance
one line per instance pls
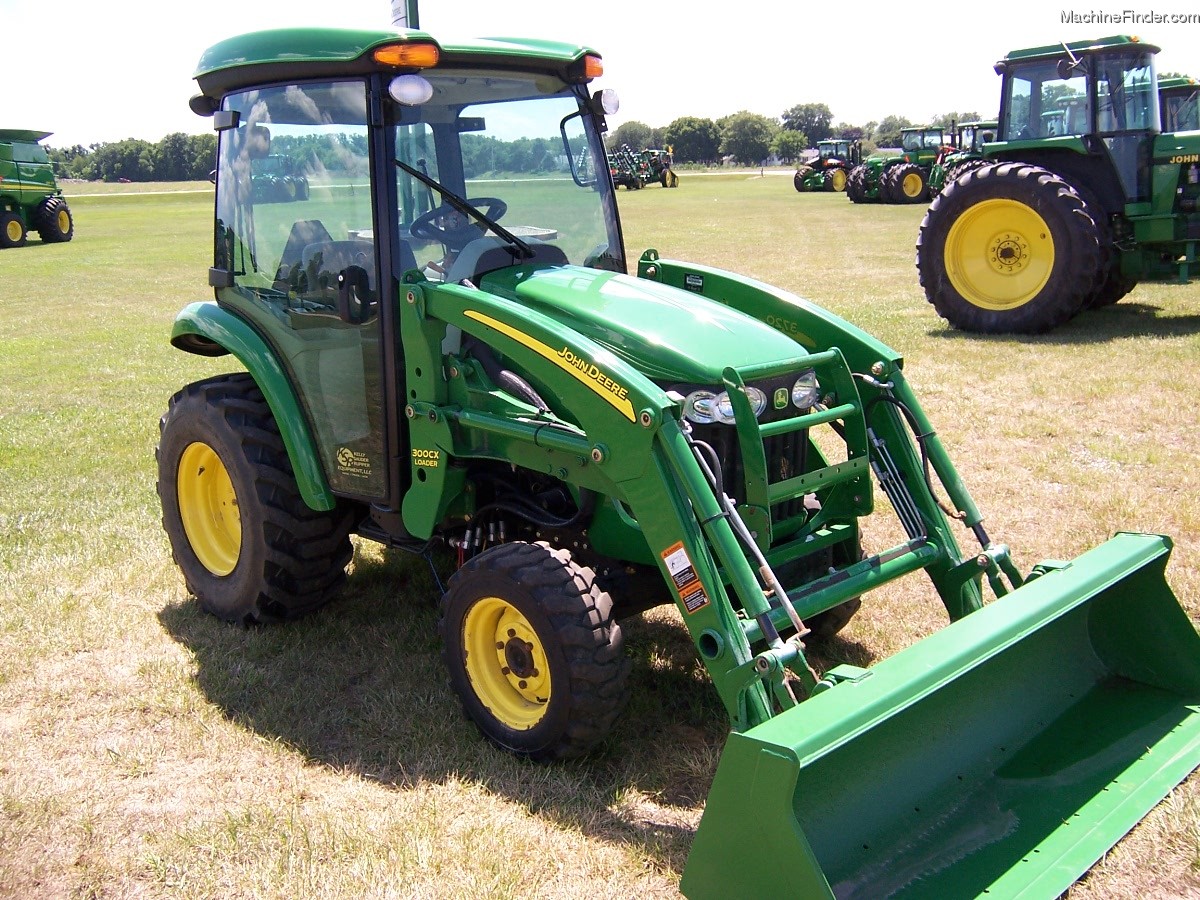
(705, 407)
(701, 407)
(758, 400)
(806, 391)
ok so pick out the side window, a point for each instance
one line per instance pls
(294, 221)
(1042, 104)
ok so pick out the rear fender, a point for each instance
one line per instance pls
(207, 329)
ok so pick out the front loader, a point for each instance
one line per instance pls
(446, 363)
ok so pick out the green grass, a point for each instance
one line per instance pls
(148, 750)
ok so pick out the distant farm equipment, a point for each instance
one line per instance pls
(30, 199)
(830, 169)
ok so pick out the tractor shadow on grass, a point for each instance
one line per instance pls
(1125, 319)
(360, 687)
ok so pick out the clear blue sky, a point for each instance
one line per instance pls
(90, 70)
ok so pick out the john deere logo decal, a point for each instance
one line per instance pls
(781, 398)
(584, 370)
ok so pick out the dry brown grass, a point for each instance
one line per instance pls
(149, 751)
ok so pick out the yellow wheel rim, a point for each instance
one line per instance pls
(506, 663)
(64, 221)
(13, 230)
(208, 507)
(839, 179)
(912, 185)
(999, 254)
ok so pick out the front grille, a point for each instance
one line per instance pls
(787, 457)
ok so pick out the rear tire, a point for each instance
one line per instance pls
(905, 183)
(53, 222)
(533, 652)
(1008, 248)
(249, 547)
(12, 230)
(856, 187)
(835, 180)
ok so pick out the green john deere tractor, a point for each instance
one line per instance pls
(584, 444)
(898, 177)
(965, 154)
(661, 165)
(30, 199)
(277, 179)
(830, 169)
(1083, 198)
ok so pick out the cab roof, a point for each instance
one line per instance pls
(22, 134)
(1115, 42)
(284, 53)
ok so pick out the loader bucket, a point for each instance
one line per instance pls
(1002, 755)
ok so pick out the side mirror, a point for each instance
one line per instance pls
(1066, 68)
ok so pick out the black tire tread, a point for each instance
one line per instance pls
(1052, 196)
(306, 551)
(581, 616)
(45, 221)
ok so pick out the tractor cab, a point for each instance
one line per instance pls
(1097, 99)
(969, 137)
(443, 174)
(922, 145)
(1179, 104)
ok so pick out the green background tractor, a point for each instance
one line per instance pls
(966, 153)
(579, 444)
(30, 199)
(1085, 198)
(898, 176)
(661, 164)
(830, 169)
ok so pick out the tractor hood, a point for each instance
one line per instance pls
(668, 334)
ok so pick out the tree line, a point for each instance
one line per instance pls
(751, 138)
(748, 137)
(177, 157)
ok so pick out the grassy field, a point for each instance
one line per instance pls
(146, 750)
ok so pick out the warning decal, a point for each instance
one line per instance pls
(683, 573)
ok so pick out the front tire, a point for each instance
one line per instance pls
(1008, 248)
(532, 651)
(53, 222)
(249, 547)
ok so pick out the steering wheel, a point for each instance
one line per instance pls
(446, 224)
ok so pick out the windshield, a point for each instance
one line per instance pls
(515, 146)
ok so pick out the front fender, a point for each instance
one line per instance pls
(210, 330)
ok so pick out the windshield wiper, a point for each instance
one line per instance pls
(518, 247)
